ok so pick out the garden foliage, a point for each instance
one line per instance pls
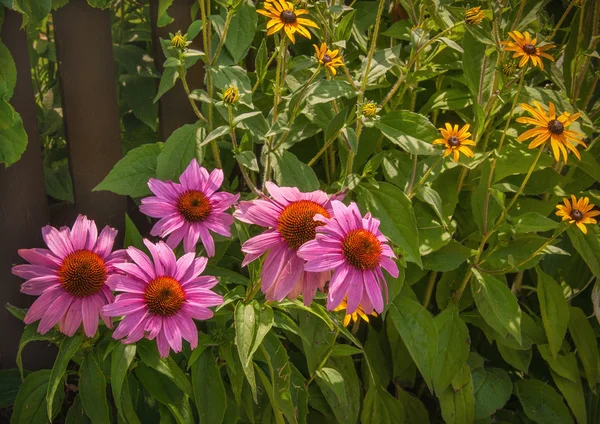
(383, 214)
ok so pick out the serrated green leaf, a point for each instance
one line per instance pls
(554, 310)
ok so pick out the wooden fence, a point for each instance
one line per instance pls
(88, 84)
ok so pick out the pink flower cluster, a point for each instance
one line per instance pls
(311, 238)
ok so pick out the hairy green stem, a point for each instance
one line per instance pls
(411, 193)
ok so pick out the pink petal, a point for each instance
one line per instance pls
(57, 241)
(124, 307)
(214, 181)
(183, 265)
(143, 261)
(273, 266)
(188, 329)
(172, 333)
(259, 212)
(90, 310)
(338, 287)
(373, 290)
(192, 178)
(42, 257)
(42, 303)
(105, 242)
(197, 311)
(79, 233)
(37, 286)
(32, 271)
(55, 312)
(204, 298)
(71, 322)
(190, 239)
(128, 324)
(207, 241)
(176, 236)
(390, 266)
(289, 278)
(156, 208)
(163, 189)
(163, 344)
(135, 281)
(168, 224)
(219, 223)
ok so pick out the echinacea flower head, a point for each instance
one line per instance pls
(551, 127)
(231, 95)
(474, 15)
(356, 315)
(289, 218)
(283, 15)
(456, 141)
(578, 211)
(161, 297)
(188, 210)
(356, 251)
(525, 48)
(330, 59)
(70, 277)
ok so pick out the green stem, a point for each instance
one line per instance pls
(463, 285)
(243, 169)
(325, 359)
(323, 149)
(522, 187)
(222, 41)
(562, 18)
(413, 191)
(429, 290)
(264, 74)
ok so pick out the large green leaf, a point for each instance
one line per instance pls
(30, 404)
(418, 330)
(241, 31)
(121, 358)
(478, 68)
(34, 11)
(492, 389)
(531, 222)
(379, 407)
(281, 374)
(458, 401)
(587, 245)
(289, 171)
(586, 343)
(411, 131)
(138, 92)
(8, 76)
(453, 347)
(541, 403)
(166, 366)
(92, 390)
(554, 310)
(180, 148)
(68, 348)
(394, 209)
(448, 258)
(209, 392)
(13, 142)
(497, 305)
(129, 177)
(226, 76)
(10, 381)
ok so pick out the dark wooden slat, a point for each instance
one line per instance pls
(91, 115)
(174, 109)
(23, 205)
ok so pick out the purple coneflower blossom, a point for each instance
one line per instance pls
(70, 277)
(161, 297)
(289, 217)
(354, 248)
(188, 210)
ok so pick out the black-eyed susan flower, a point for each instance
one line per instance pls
(456, 141)
(369, 109)
(283, 15)
(356, 315)
(508, 68)
(231, 95)
(525, 48)
(578, 211)
(474, 15)
(550, 127)
(179, 41)
(330, 59)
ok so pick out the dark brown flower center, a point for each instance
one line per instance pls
(529, 49)
(287, 17)
(576, 215)
(194, 206)
(296, 223)
(453, 141)
(362, 249)
(164, 296)
(82, 273)
(326, 58)
(556, 127)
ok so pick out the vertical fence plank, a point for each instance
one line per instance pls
(23, 203)
(174, 109)
(91, 114)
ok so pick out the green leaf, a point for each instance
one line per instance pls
(34, 11)
(587, 245)
(447, 99)
(226, 76)
(316, 341)
(209, 392)
(414, 409)
(452, 349)
(68, 348)
(533, 222)
(458, 401)
(325, 91)
(30, 404)
(30, 334)
(554, 310)
(138, 92)
(380, 407)
(13, 142)
(121, 359)
(136, 62)
(411, 131)
(92, 390)
(291, 172)
(418, 331)
(497, 305)
(248, 160)
(166, 366)
(492, 388)
(336, 124)
(163, 19)
(394, 209)
(587, 346)
(344, 350)
(449, 257)
(8, 76)
(519, 359)
(480, 197)
(241, 33)
(158, 385)
(100, 4)
(343, 30)
(76, 414)
(180, 148)
(331, 381)
(129, 177)
(590, 165)
(7, 114)
(515, 159)
(478, 68)
(167, 81)
(10, 381)
(541, 403)
(132, 235)
(261, 59)
(58, 182)
(433, 199)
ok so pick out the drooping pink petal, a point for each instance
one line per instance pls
(37, 286)
(55, 312)
(42, 303)
(43, 257)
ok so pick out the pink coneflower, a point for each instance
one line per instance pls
(70, 277)
(190, 209)
(161, 297)
(289, 217)
(354, 248)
